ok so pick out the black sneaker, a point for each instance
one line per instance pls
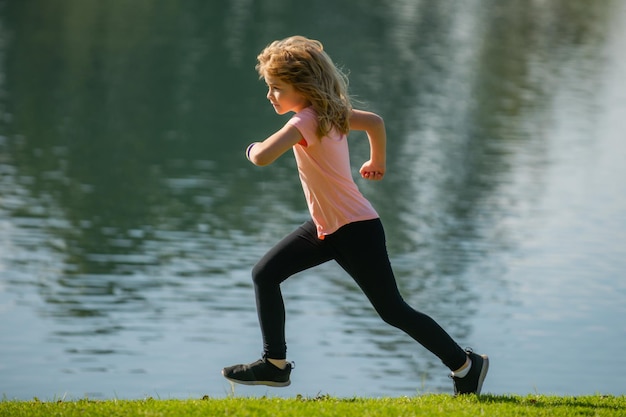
(261, 372)
(472, 383)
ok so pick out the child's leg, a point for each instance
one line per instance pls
(296, 252)
(360, 249)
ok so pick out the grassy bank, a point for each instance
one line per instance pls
(428, 405)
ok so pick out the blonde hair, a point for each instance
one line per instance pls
(303, 63)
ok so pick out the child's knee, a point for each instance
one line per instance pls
(262, 274)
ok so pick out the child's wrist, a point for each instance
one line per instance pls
(250, 149)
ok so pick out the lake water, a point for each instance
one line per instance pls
(130, 220)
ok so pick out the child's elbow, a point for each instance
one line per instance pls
(377, 121)
(370, 122)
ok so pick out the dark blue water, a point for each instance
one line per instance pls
(130, 220)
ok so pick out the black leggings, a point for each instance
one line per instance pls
(360, 249)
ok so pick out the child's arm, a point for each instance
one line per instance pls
(266, 152)
(374, 126)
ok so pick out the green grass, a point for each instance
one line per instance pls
(427, 405)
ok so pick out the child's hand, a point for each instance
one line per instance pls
(372, 171)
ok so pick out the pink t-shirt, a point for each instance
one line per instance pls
(333, 198)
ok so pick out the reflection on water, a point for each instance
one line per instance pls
(129, 219)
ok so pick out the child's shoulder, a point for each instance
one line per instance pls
(306, 115)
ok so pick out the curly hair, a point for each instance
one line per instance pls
(303, 63)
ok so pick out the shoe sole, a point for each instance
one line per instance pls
(275, 384)
(483, 373)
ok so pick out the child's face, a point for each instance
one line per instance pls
(284, 97)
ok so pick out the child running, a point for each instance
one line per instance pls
(344, 227)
